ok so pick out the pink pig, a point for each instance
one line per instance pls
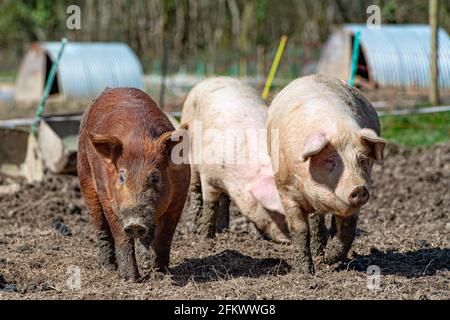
(329, 138)
(227, 117)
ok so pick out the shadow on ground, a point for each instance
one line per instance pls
(226, 265)
(412, 264)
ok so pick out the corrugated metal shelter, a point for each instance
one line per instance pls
(391, 56)
(84, 71)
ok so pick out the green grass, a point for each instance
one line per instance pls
(7, 76)
(417, 129)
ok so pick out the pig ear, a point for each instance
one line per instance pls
(266, 193)
(377, 143)
(165, 142)
(314, 144)
(109, 147)
(168, 140)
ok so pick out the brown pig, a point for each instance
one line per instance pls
(131, 187)
(329, 138)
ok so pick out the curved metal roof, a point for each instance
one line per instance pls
(399, 55)
(87, 68)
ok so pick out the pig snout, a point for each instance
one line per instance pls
(135, 228)
(138, 222)
(359, 196)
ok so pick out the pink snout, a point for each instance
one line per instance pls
(359, 196)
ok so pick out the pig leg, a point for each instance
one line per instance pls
(297, 222)
(195, 196)
(270, 225)
(105, 242)
(106, 255)
(318, 232)
(341, 243)
(207, 220)
(278, 228)
(125, 257)
(332, 231)
(143, 255)
(223, 214)
(162, 242)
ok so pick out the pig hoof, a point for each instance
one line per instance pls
(282, 239)
(107, 261)
(317, 250)
(303, 268)
(285, 241)
(333, 257)
(128, 273)
(162, 269)
(207, 235)
(207, 220)
(161, 264)
(207, 232)
(304, 265)
(335, 252)
(128, 276)
(278, 236)
(107, 265)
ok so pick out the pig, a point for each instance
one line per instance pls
(131, 187)
(328, 141)
(226, 105)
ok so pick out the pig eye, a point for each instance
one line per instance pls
(330, 164)
(121, 177)
(363, 160)
(154, 178)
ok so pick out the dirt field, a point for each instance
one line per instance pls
(405, 230)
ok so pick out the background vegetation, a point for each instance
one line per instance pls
(417, 129)
(204, 36)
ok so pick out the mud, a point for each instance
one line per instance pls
(404, 230)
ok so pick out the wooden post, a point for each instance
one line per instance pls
(434, 68)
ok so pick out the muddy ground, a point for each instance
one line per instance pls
(404, 230)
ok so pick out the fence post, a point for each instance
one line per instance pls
(48, 86)
(355, 56)
(434, 68)
(274, 67)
